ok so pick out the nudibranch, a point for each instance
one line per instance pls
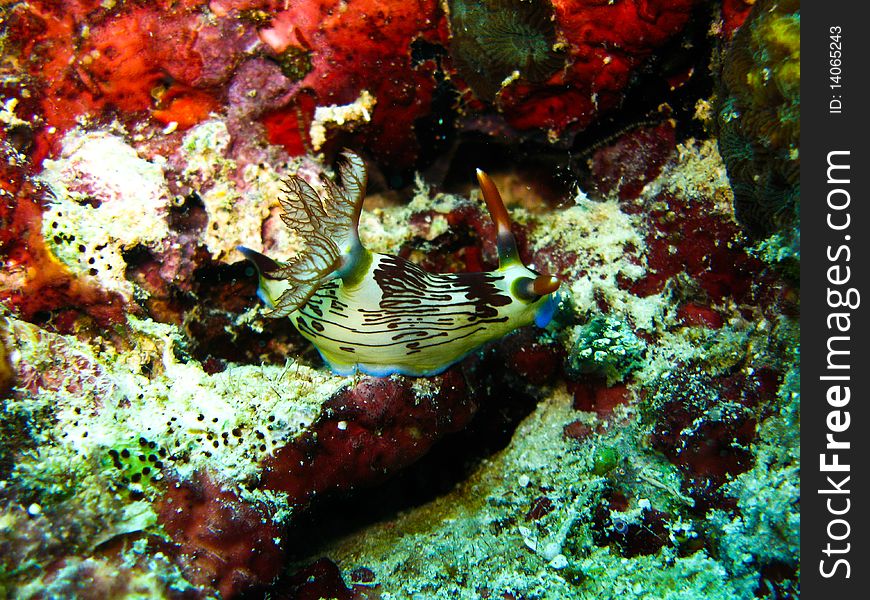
(381, 314)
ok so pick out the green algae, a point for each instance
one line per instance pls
(605, 460)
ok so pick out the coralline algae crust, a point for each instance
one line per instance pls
(153, 392)
(237, 203)
(106, 200)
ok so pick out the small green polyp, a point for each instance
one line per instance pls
(605, 460)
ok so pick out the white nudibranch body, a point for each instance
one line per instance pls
(381, 314)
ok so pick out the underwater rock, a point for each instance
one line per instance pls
(369, 431)
(100, 209)
(693, 249)
(164, 449)
(633, 160)
(33, 283)
(717, 269)
(221, 468)
(707, 423)
(759, 121)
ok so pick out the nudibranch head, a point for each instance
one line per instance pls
(381, 314)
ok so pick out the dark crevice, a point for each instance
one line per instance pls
(451, 460)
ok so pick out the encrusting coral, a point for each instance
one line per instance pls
(554, 66)
(496, 40)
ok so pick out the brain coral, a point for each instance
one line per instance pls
(759, 118)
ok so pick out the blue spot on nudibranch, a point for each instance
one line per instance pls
(545, 313)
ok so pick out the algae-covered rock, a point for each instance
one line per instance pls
(606, 346)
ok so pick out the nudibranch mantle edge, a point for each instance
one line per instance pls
(382, 314)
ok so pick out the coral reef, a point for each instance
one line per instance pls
(606, 44)
(162, 437)
(284, 69)
(641, 488)
(211, 460)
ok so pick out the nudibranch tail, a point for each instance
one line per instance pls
(506, 243)
(264, 266)
(328, 224)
